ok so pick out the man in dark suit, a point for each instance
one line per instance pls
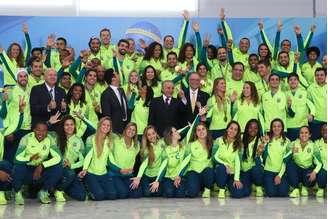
(166, 111)
(194, 97)
(47, 99)
(114, 102)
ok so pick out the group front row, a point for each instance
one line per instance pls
(183, 163)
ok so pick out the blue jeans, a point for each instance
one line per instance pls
(272, 190)
(122, 186)
(100, 187)
(145, 181)
(170, 191)
(5, 166)
(72, 185)
(223, 179)
(297, 175)
(293, 133)
(252, 176)
(10, 148)
(196, 181)
(23, 175)
(322, 178)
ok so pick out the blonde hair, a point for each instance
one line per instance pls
(99, 140)
(146, 144)
(135, 138)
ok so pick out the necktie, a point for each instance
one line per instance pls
(167, 101)
(123, 105)
(193, 100)
(51, 93)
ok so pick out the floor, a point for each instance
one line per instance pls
(277, 208)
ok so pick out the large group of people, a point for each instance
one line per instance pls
(187, 121)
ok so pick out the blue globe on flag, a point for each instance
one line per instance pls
(145, 31)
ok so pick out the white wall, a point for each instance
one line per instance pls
(164, 8)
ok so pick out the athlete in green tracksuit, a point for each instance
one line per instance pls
(15, 58)
(317, 94)
(301, 108)
(38, 161)
(321, 155)
(72, 149)
(300, 168)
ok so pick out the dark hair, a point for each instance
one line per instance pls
(182, 55)
(70, 94)
(40, 123)
(171, 53)
(123, 41)
(282, 130)
(20, 58)
(246, 138)
(62, 39)
(199, 65)
(167, 136)
(321, 69)
(283, 52)
(273, 74)
(149, 96)
(93, 38)
(61, 135)
(32, 60)
(108, 76)
(245, 38)
(103, 30)
(264, 62)
(269, 56)
(214, 50)
(313, 49)
(254, 94)
(209, 139)
(150, 51)
(39, 49)
(154, 81)
(308, 128)
(88, 72)
(293, 74)
(237, 142)
(285, 40)
(238, 63)
(253, 55)
(168, 36)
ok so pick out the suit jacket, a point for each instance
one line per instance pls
(111, 107)
(39, 100)
(202, 97)
(162, 115)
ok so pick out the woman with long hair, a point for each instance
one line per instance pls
(246, 107)
(72, 149)
(219, 106)
(98, 157)
(154, 56)
(225, 155)
(150, 78)
(200, 174)
(78, 108)
(131, 88)
(151, 155)
(125, 150)
(251, 164)
(141, 109)
(275, 151)
(15, 58)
